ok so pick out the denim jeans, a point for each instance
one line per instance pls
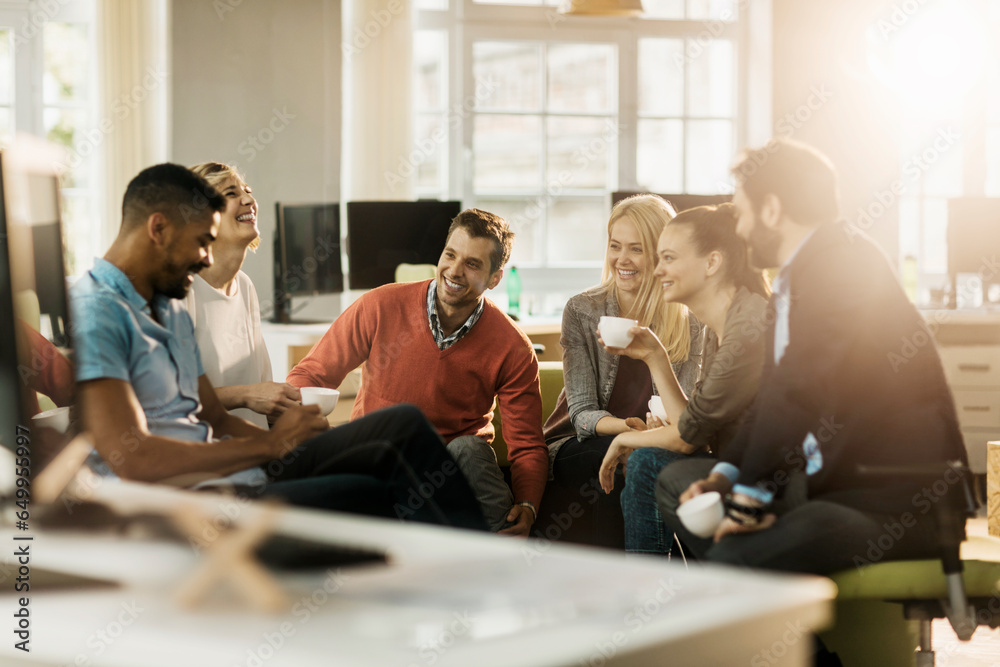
(645, 531)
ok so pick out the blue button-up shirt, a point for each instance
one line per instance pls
(115, 336)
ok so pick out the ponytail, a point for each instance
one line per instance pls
(713, 228)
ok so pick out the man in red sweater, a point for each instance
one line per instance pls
(443, 347)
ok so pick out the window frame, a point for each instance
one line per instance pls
(466, 23)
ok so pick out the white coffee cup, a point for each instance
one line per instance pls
(702, 514)
(325, 398)
(57, 418)
(615, 330)
(656, 408)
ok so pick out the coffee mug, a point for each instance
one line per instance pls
(615, 330)
(702, 514)
(325, 398)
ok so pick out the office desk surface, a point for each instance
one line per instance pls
(447, 598)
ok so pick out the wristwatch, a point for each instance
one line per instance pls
(530, 506)
(745, 515)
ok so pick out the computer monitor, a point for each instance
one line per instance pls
(306, 254)
(34, 306)
(679, 202)
(381, 235)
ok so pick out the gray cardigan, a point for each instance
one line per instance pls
(589, 371)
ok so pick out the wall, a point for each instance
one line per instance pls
(826, 95)
(257, 83)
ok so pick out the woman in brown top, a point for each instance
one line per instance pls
(703, 264)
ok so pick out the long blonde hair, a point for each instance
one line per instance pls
(217, 172)
(669, 321)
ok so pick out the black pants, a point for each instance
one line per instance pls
(575, 469)
(390, 463)
(811, 535)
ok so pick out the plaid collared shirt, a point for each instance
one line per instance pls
(443, 342)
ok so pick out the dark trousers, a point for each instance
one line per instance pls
(810, 536)
(390, 463)
(575, 469)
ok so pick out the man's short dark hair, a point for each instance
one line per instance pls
(170, 189)
(479, 224)
(803, 178)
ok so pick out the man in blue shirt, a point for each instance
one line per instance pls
(832, 400)
(155, 417)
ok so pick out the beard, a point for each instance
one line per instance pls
(175, 283)
(763, 245)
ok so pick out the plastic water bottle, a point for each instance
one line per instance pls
(910, 276)
(513, 292)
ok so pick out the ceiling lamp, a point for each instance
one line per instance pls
(601, 7)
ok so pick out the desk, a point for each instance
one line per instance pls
(450, 598)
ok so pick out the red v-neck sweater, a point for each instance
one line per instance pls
(387, 330)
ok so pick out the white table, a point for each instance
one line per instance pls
(280, 338)
(449, 597)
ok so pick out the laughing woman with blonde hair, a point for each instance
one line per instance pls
(226, 312)
(607, 394)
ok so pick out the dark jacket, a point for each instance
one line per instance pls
(860, 372)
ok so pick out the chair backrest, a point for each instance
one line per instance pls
(411, 273)
(550, 379)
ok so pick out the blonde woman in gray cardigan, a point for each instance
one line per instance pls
(703, 264)
(607, 394)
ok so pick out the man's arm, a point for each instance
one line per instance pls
(266, 398)
(113, 415)
(345, 346)
(520, 405)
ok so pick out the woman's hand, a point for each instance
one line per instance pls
(617, 453)
(636, 424)
(645, 346)
(271, 398)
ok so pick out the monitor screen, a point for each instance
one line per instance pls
(306, 254)
(36, 385)
(381, 235)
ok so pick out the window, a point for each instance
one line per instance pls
(946, 70)
(47, 89)
(547, 114)
(67, 99)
